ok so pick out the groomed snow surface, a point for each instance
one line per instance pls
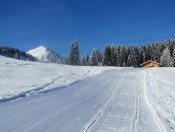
(57, 98)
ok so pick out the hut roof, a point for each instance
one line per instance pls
(149, 61)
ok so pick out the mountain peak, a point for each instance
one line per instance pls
(44, 54)
(41, 47)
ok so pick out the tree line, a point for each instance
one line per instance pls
(16, 54)
(124, 56)
(113, 55)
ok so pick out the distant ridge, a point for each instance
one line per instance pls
(16, 54)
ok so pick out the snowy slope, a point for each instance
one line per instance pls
(161, 93)
(115, 100)
(109, 99)
(22, 78)
(44, 54)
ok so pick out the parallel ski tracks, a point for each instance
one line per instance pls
(88, 126)
(152, 110)
(47, 115)
(121, 105)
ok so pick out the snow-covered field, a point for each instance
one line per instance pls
(161, 93)
(22, 78)
(85, 99)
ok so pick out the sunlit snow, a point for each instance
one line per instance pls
(51, 97)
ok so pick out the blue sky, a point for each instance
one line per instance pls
(27, 24)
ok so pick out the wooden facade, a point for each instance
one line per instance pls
(150, 63)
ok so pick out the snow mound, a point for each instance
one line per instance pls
(44, 54)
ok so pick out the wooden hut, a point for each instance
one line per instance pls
(150, 63)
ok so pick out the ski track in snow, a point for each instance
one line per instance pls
(101, 111)
(41, 89)
(122, 100)
(110, 120)
(21, 78)
(161, 94)
(157, 120)
(137, 110)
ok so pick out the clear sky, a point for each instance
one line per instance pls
(27, 24)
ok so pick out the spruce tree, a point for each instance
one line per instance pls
(112, 57)
(122, 56)
(109, 56)
(166, 59)
(142, 56)
(99, 57)
(84, 61)
(106, 56)
(94, 58)
(132, 59)
(174, 58)
(116, 55)
(87, 60)
(74, 56)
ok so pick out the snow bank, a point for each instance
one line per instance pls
(22, 78)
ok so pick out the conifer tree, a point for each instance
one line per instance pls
(87, 60)
(117, 56)
(122, 56)
(99, 57)
(106, 56)
(112, 57)
(166, 59)
(174, 58)
(84, 61)
(132, 60)
(94, 58)
(74, 56)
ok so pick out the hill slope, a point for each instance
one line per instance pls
(15, 53)
(20, 78)
(44, 54)
(117, 99)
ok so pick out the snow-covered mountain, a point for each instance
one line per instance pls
(44, 54)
